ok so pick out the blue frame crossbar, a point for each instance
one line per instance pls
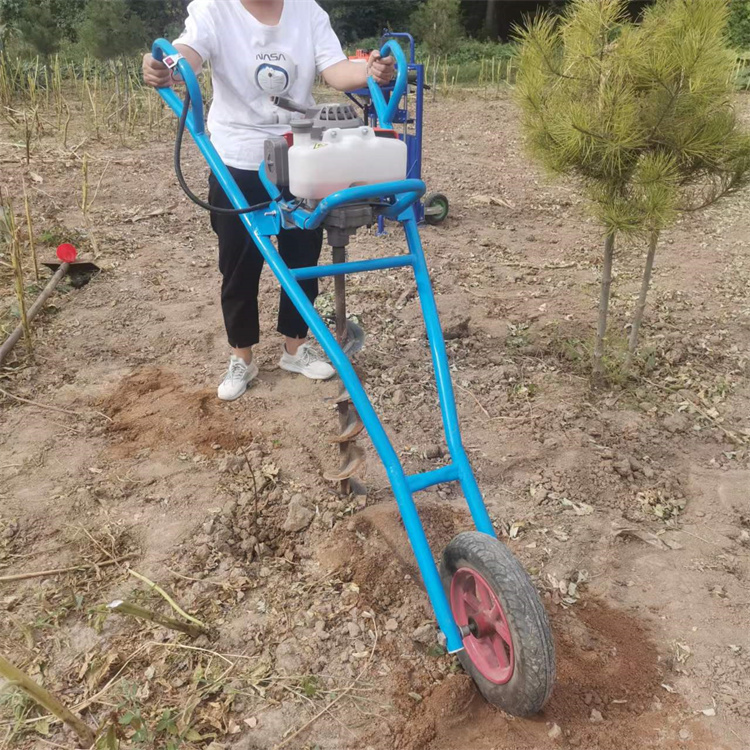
(353, 266)
(398, 200)
(444, 474)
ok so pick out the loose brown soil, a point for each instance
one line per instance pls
(639, 493)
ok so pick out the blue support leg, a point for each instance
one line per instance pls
(443, 380)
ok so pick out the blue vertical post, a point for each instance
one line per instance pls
(418, 131)
(443, 379)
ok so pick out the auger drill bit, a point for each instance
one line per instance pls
(350, 424)
(340, 225)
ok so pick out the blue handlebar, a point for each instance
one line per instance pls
(386, 110)
(162, 50)
(401, 35)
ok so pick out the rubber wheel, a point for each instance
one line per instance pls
(509, 653)
(436, 208)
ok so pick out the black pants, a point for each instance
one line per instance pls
(241, 263)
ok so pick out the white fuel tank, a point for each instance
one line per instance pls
(343, 158)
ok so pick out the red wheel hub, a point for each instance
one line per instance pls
(476, 607)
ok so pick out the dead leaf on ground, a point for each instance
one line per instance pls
(150, 214)
(580, 509)
(490, 200)
(644, 536)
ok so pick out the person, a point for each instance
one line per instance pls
(259, 49)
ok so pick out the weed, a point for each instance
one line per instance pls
(310, 686)
(141, 731)
(518, 335)
(55, 236)
(575, 354)
(523, 391)
(18, 706)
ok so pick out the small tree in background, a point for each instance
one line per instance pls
(641, 115)
(354, 21)
(159, 17)
(10, 14)
(111, 32)
(490, 20)
(438, 24)
(68, 14)
(39, 29)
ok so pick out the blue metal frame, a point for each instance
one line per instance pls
(401, 116)
(399, 199)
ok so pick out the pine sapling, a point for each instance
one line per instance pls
(686, 77)
(580, 113)
(641, 115)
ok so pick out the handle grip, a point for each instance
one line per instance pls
(165, 52)
(401, 35)
(386, 110)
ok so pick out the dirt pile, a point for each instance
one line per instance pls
(153, 409)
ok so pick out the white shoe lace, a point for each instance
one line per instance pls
(307, 355)
(236, 371)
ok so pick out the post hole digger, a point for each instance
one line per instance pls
(341, 174)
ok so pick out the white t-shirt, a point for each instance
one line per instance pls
(251, 62)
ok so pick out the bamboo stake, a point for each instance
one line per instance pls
(15, 259)
(67, 125)
(85, 184)
(86, 203)
(30, 228)
(92, 101)
(46, 86)
(48, 701)
(27, 136)
(60, 571)
(133, 610)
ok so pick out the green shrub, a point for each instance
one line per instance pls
(437, 24)
(468, 51)
(39, 30)
(109, 30)
(739, 23)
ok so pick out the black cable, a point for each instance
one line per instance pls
(181, 178)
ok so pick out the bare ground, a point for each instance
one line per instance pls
(638, 494)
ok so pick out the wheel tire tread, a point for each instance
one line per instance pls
(532, 641)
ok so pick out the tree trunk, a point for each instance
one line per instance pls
(641, 306)
(434, 77)
(609, 251)
(490, 20)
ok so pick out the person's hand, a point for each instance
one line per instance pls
(382, 69)
(156, 73)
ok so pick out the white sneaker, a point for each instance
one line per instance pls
(306, 362)
(238, 376)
